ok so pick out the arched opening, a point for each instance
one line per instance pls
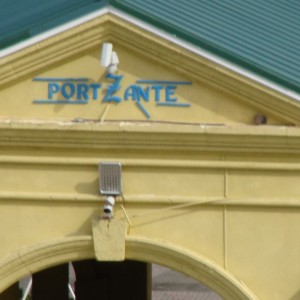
(30, 260)
(135, 280)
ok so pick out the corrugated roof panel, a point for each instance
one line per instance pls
(21, 19)
(261, 35)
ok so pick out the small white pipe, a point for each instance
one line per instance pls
(28, 289)
(71, 291)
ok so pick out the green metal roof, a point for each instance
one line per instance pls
(22, 19)
(261, 36)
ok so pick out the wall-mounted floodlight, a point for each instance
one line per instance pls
(110, 182)
(109, 58)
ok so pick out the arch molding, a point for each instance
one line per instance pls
(32, 259)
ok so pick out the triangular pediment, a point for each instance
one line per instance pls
(61, 78)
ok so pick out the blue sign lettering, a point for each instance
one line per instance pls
(170, 91)
(95, 88)
(157, 89)
(113, 88)
(68, 90)
(143, 93)
(53, 88)
(80, 91)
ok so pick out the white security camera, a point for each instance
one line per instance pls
(113, 67)
(109, 58)
(106, 54)
(108, 207)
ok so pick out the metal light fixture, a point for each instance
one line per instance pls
(110, 182)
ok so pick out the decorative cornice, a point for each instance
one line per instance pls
(53, 50)
(150, 136)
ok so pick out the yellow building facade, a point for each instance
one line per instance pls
(209, 189)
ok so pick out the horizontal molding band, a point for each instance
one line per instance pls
(148, 136)
(183, 201)
(153, 163)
